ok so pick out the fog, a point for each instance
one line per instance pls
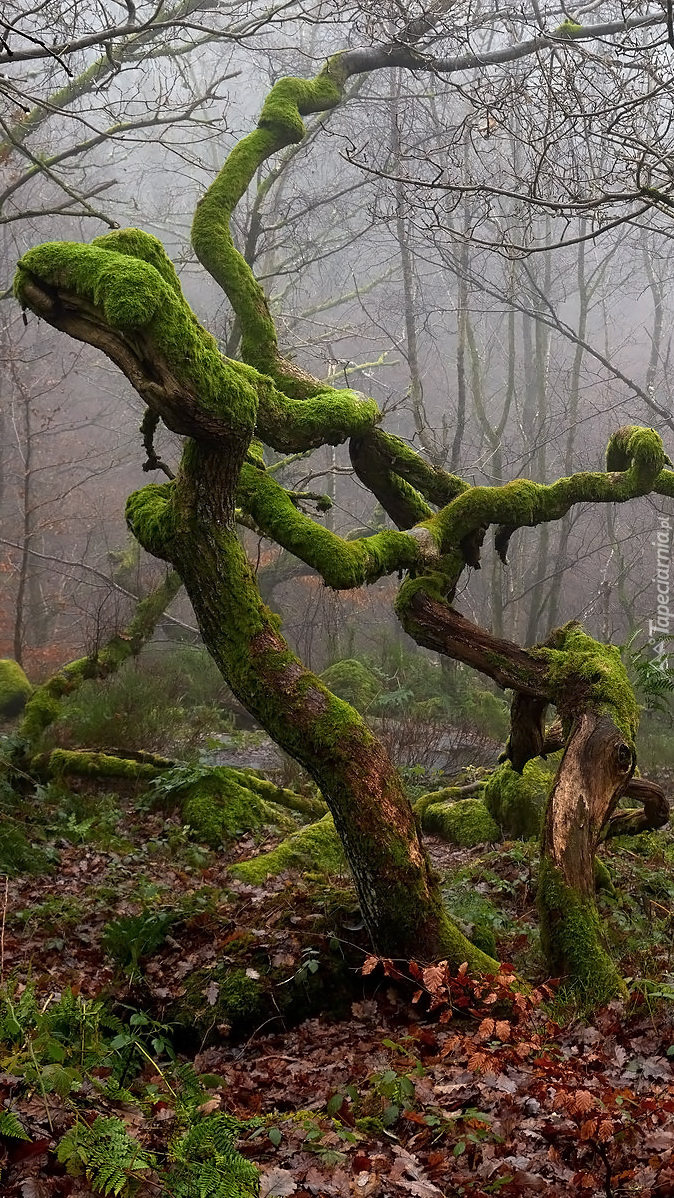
(483, 249)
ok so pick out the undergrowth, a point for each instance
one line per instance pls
(77, 1056)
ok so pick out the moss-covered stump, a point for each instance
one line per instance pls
(316, 848)
(465, 822)
(319, 971)
(15, 689)
(517, 801)
(353, 682)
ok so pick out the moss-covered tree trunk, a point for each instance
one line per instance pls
(594, 773)
(191, 522)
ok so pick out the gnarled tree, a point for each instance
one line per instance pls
(121, 294)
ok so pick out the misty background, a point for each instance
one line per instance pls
(486, 253)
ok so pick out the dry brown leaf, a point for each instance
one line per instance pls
(605, 1130)
(434, 976)
(582, 1102)
(486, 1029)
(587, 1129)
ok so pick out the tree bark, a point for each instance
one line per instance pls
(594, 773)
(399, 895)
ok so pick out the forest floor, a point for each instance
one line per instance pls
(153, 959)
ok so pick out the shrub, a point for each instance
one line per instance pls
(152, 703)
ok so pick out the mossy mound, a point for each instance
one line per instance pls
(217, 812)
(231, 999)
(447, 794)
(517, 801)
(216, 806)
(15, 689)
(464, 823)
(315, 848)
(352, 681)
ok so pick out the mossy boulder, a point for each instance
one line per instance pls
(316, 848)
(15, 689)
(217, 808)
(466, 822)
(517, 801)
(446, 794)
(352, 681)
(226, 998)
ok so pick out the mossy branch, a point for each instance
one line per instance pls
(521, 503)
(341, 564)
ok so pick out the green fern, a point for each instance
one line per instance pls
(10, 1127)
(206, 1163)
(652, 678)
(104, 1152)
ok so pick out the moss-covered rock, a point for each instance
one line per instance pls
(316, 848)
(15, 689)
(446, 794)
(218, 810)
(353, 682)
(517, 801)
(465, 823)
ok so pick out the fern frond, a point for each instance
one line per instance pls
(208, 1165)
(10, 1127)
(104, 1152)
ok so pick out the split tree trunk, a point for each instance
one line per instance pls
(594, 773)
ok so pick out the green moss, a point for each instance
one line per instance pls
(81, 764)
(352, 681)
(602, 877)
(135, 243)
(567, 29)
(315, 848)
(446, 794)
(571, 940)
(342, 564)
(577, 659)
(217, 809)
(280, 125)
(517, 801)
(221, 996)
(15, 689)
(523, 503)
(466, 822)
(135, 298)
(303, 804)
(240, 998)
(483, 938)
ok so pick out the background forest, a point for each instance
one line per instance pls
(483, 248)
